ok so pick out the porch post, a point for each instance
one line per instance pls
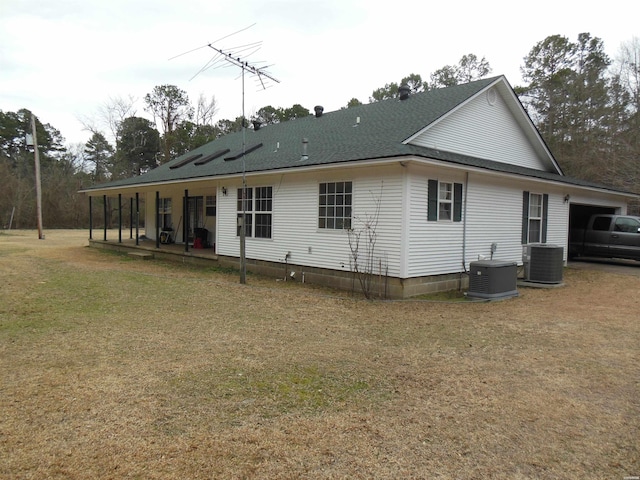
(130, 218)
(119, 218)
(90, 218)
(157, 219)
(137, 218)
(186, 221)
(104, 208)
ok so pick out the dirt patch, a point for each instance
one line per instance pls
(117, 368)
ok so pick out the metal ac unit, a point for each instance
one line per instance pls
(493, 279)
(543, 263)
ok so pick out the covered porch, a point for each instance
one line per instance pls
(147, 220)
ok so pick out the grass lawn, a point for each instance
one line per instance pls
(113, 367)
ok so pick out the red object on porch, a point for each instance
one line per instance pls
(197, 243)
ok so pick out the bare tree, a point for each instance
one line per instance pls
(205, 110)
(365, 261)
(109, 116)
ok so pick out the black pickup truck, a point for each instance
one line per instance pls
(612, 236)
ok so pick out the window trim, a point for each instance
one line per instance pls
(335, 205)
(165, 212)
(526, 200)
(434, 201)
(210, 205)
(252, 210)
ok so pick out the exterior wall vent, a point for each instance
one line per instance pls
(543, 263)
(493, 279)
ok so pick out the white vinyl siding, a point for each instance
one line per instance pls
(295, 220)
(482, 130)
(433, 247)
(493, 215)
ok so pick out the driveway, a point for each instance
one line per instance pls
(611, 265)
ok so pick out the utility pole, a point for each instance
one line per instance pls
(38, 183)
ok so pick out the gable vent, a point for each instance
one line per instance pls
(241, 154)
(189, 159)
(212, 156)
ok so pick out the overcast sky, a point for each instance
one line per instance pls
(64, 59)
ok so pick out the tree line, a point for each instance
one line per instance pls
(585, 105)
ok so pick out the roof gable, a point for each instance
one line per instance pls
(491, 125)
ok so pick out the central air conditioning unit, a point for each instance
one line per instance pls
(543, 263)
(493, 279)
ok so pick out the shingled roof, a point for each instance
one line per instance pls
(366, 132)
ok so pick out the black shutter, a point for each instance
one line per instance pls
(457, 202)
(545, 216)
(525, 217)
(432, 204)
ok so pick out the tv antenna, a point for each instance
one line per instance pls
(237, 57)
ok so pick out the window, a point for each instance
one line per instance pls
(535, 218)
(627, 225)
(535, 207)
(334, 205)
(602, 224)
(263, 204)
(258, 203)
(210, 206)
(444, 202)
(164, 213)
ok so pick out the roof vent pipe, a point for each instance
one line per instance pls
(256, 125)
(305, 152)
(404, 91)
(318, 109)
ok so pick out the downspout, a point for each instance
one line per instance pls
(464, 224)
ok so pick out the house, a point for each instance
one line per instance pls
(429, 182)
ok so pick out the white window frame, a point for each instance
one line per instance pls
(536, 215)
(335, 205)
(165, 213)
(445, 203)
(210, 205)
(254, 206)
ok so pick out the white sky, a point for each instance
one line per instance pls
(64, 59)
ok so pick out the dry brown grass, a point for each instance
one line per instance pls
(117, 368)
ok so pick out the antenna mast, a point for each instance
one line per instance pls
(232, 57)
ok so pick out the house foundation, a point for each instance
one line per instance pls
(379, 286)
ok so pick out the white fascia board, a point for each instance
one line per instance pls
(280, 171)
(515, 176)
